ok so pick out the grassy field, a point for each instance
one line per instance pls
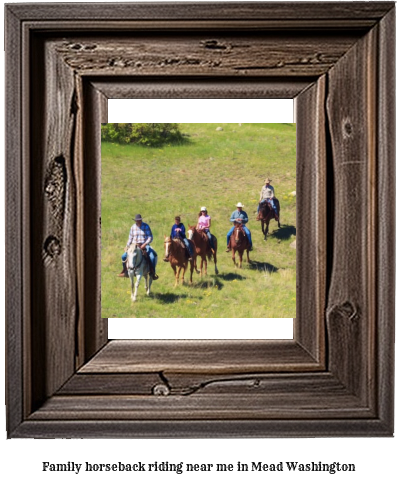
(215, 169)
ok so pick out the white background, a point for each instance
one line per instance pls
(375, 458)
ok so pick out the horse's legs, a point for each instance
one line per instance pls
(183, 269)
(176, 274)
(147, 282)
(195, 266)
(132, 287)
(233, 256)
(240, 255)
(191, 271)
(215, 260)
(136, 287)
(248, 256)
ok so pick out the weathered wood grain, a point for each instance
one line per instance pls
(53, 246)
(174, 87)
(352, 126)
(250, 428)
(385, 224)
(331, 404)
(16, 265)
(280, 11)
(246, 54)
(200, 356)
(95, 329)
(311, 218)
(138, 384)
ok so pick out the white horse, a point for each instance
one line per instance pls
(137, 265)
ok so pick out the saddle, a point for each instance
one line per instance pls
(180, 242)
(266, 203)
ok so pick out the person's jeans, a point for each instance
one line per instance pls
(208, 233)
(230, 233)
(151, 254)
(272, 202)
(188, 246)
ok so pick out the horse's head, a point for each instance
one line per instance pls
(191, 231)
(167, 241)
(265, 210)
(134, 253)
(239, 232)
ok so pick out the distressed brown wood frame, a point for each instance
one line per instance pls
(64, 378)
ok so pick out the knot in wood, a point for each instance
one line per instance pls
(347, 128)
(161, 390)
(51, 247)
(213, 44)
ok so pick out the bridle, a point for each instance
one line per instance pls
(135, 267)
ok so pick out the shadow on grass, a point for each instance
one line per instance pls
(203, 284)
(176, 143)
(231, 276)
(168, 298)
(262, 266)
(283, 233)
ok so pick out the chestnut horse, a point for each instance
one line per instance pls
(176, 254)
(203, 248)
(239, 243)
(266, 213)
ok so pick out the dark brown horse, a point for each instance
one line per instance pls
(239, 243)
(203, 248)
(176, 254)
(266, 213)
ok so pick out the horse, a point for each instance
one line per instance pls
(137, 265)
(176, 254)
(239, 243)
(203, 248)
(266, 213)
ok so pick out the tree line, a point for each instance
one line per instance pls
(146, 134)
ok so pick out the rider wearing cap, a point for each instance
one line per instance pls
(140, 234)
(204, 224)
(239, 216)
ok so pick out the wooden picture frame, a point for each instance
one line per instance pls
(335, 378)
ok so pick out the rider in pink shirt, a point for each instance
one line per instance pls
(204, 223)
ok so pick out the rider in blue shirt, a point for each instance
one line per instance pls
(179, 231)
(240, 216)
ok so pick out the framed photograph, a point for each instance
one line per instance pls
(199, 151)
(65, 377)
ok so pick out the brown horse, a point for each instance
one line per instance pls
(266, 213)
(239, 243)
(176, 254)
(203, 248)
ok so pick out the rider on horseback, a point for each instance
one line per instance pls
(178, 231)
(204, 224)
(267, 195)
(239, 216)
(140, 233)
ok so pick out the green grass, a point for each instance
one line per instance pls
(216, 169)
